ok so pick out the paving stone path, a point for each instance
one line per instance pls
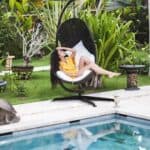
(41, 68)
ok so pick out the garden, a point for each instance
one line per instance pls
(28, 32)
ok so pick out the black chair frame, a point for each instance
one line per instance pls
(88, 43)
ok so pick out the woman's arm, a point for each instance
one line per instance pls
(68, 49)
(65, 48)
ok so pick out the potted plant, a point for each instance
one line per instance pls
(33, 41)
(31, 32)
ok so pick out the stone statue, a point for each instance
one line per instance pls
(7, 113)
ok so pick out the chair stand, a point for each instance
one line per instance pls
(86, 99)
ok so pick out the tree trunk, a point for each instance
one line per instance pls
(26, 61)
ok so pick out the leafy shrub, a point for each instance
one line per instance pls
(138, 13)
(140, 56)
(8, 37)
(112, 38)
(132, 10)
(16, 86)
(20, 89)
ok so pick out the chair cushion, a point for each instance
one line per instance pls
(81, 50)
(61, 75)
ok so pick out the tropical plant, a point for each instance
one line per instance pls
(49, 15)
(8, 35)
(20, 90)
(138, 57)
(86, 3)
(33, 41)
(93, 5)
(31, 32)
(15, 86)
(139, 17)
(134, 10)
(112, 38)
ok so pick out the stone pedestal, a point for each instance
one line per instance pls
(132, 75)
(9, 60)
(132, 80)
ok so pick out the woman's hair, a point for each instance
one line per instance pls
(54, 67)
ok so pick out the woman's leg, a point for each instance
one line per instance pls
(85, 64)
(101, 71)
(81, 70)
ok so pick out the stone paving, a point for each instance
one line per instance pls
(39, 114)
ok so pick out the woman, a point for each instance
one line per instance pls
(68, 66)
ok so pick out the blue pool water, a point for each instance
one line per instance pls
(111, 132)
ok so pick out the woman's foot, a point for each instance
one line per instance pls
(113, 74)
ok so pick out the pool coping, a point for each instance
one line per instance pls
(46, 113)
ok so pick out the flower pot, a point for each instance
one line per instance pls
(22, 72)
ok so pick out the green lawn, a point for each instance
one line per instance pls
(39, 88)
(44, 61)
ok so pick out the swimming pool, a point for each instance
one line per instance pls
(111, 132)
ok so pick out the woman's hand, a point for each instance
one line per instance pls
(65, 48)
(59, 48)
